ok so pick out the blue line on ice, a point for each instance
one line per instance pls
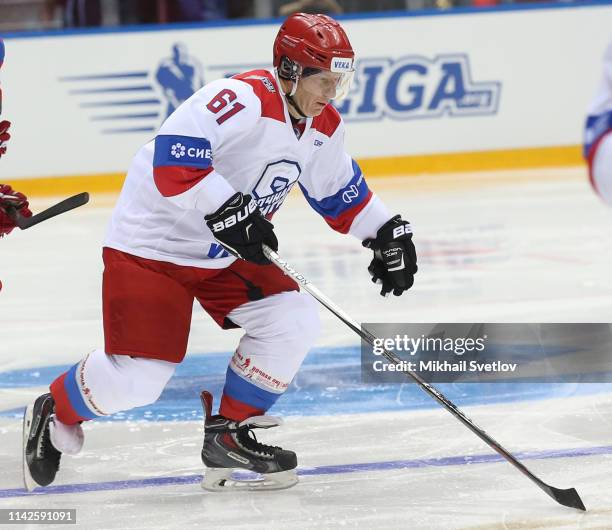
(315, 471)
(328, 383)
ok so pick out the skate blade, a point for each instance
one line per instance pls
(28, 481)
(219, 479)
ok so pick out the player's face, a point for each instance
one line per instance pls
(315, 91)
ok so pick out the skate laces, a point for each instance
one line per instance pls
(247, 437)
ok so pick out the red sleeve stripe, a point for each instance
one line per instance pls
(327, 122)
(343, 222)
(174, 180)
(271, 101)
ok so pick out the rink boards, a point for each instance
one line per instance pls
(435, 91)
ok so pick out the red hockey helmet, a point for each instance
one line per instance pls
(309, 43)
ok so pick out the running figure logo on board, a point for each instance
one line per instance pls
(179, 76)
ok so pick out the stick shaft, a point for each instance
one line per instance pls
(431, 390)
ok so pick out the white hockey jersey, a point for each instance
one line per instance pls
(236, 135)
(599, 116)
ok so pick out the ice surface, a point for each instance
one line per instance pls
(531, 246)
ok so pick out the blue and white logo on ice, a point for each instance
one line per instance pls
(417, 87)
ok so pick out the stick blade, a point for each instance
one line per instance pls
(61, 207)
(567, 497)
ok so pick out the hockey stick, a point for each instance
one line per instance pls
(61, 207)
(567, 497)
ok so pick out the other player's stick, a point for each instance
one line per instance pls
(61, 207)
(568, 497)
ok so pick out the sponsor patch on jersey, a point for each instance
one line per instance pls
(266, 82)
(177, 150)
(351, 193)
(341, 64)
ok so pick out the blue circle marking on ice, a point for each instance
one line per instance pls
(329, 382)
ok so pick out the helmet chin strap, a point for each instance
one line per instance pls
(292, 101)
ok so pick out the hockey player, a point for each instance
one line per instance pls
(598, 134)
(4, 124)
(190, 222)
(4, 134)
(9, 199)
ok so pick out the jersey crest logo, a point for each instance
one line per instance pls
(275, 184)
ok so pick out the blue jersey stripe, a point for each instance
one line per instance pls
(177, 150)
(353, 194)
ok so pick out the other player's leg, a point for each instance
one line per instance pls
(600, 168)
(146, 322)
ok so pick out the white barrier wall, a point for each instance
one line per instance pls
(82, 104)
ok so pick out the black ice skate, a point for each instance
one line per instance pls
(231, 445)
(44, 440)
(40, 459)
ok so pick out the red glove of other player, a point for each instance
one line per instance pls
(11, 199)
(4, 135)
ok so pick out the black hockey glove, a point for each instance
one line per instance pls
(394, 264)
(239, 226)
